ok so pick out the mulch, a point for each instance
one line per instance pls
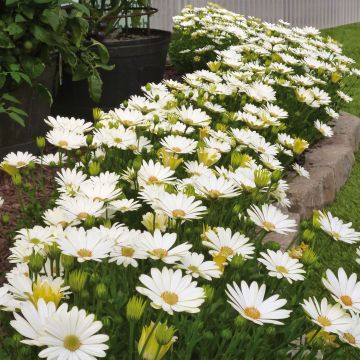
(12, 207)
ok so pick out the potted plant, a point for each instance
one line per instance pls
(137, 51)
(35, 36)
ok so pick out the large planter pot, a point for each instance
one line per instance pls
(137, 62)
(14, 137)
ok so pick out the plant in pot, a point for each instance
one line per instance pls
(137, 51)
(36, 36)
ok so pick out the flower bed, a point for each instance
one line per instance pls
(152, 244)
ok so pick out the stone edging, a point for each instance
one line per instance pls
(329, 164)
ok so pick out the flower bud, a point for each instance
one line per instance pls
(40, 142)
(5, 218)
(276, 175)
(214, 66)
(135, 308)
(67, 261)
(272, 245)
(309, 257)
(164, 334)
(308, 235)
(209, 292)
(36, 262)
(299, 146)
(316, 219)
(262, 178)
(101, 291)
(77, 280)
(94, 168)
(239, 321)
(89, 221)
(16, 179)
(237, 261)
(97, 114)
(226, 334)
(89, 139)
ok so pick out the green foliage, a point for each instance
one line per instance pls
(33, 35)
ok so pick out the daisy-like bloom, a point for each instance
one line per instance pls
(59, 217)
(52, 159)
(324, 129)
(81, 207)
(154, 174)
(180, 207)
(179, 144)
(127, 249)
(128, 117)
(124, 205)
(271, 219)
(157, 220)
(171, 291)
(32, 320)
(352, 335)
(344, 290)
(331, 318)
(65, 139)
(160, 247)
(7, 302)
(261, 92)
(85, 245)
(215, 187)
(225, 244)
(193, 117)
(77, 126)
(336, 228)
(36, 237)
(72, 335)
(96, 189)
(193, 168)
(249, 302)
(19, 159)
(281, 265)
(195, 265)
(301, 171)
(69, 181)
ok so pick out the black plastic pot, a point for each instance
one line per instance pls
(137, 62)
(14, 137)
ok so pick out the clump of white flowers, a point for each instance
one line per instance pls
(162, 207)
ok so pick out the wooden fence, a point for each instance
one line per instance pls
(319, 13)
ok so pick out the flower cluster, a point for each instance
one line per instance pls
(170, 199)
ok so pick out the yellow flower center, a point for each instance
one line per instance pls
(323, 321)
(153, 179)
(349, 338)
(21, 163)
(214, 194)
(63, 143)
(261, 149)
(335, 235)
(176, 149)
(193, 268)
(84, 253)
(346, 300)
(127, 251)
(170, 297)
(42, 290)
(72, 343)
(83, 215)
(282, 269)
(252, 313)
(118, 140)
(267, 225)
(226, 251)
(35, 241)
(188, 121)
(178, 213)
(160, 253)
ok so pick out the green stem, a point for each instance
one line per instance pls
(131, 341)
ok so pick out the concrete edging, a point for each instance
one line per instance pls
(329, 163)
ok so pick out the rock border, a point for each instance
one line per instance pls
(329, 163)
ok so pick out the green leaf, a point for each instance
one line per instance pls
(15, 76)
(17, 118)
(2, 80)
(80, 7)
(81, 72)
(11, 2)
(33, 67)
(11, 98)
(105, 67)
(95, 86)
(51, 17)
(43, 35)
(19, 18)
(18, 111)
(14, 29)
(5, 41)
(28, 11)
(101, 50)
(44, 92)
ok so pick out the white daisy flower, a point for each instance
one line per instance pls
(59, 217)
(69, 181)
(81, 207)
(72, 335)
(77, 126)
(31, 323)
(160, 247)
(171, 291)
(352, 334)
(152, 173)
(281, 265)
(193, 117)
(249, 302)
(271, 219)
(127, 249)
(324, 129)
(85, 245)
(180, 207)
(301, 171)
(215, 187)
(52, 159)
(344, 290)
(179, 144)
(19, 159)
(194, 264)
(331, 318)
(336, 228)
(156, 220)
(65, 139)
(124, 205)
(223, 242)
